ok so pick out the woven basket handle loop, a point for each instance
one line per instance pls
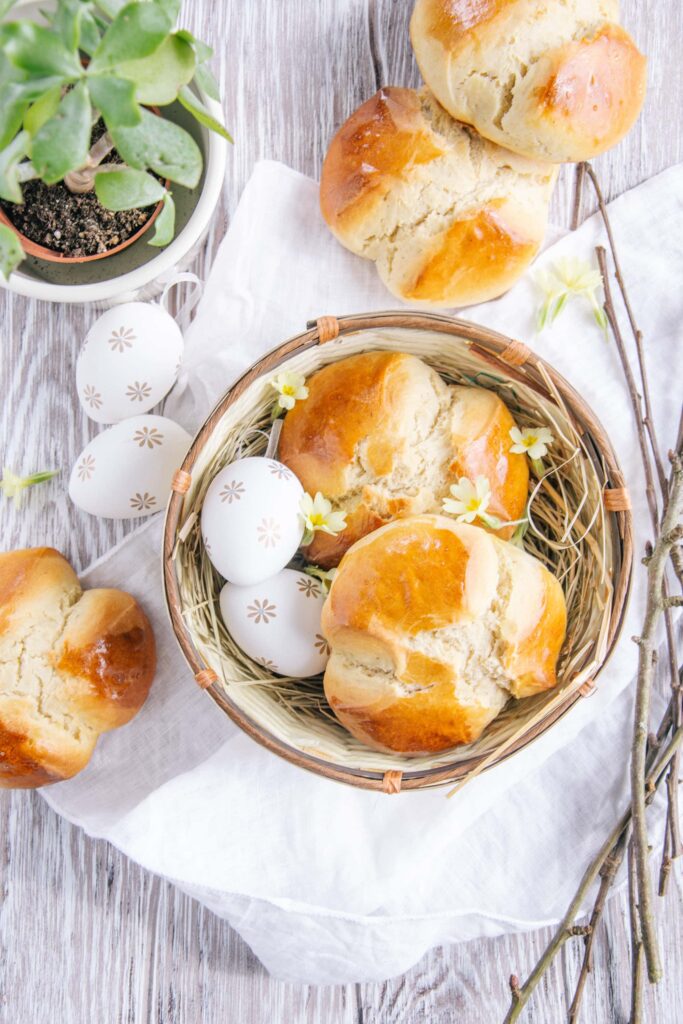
(617, 499)
(206, 678)
(588, 688)
(181, 482)
(327, 328)
(515, 353)
(391, 782)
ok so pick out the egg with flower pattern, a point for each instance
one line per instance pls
(251, 522)
(277, 622)
(126, 471)
(129, 362)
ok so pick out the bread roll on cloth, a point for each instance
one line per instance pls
(448, 218)
(382, 435)
(433, 626)
(550, 79)
(73, 664)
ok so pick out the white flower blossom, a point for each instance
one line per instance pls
(532, 441)
(470, 500)
(317, 516)
(569, 277)
(291, 388)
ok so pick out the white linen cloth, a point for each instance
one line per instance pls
(326, 883)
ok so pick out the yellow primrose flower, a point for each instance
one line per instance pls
(568, 278)
(291, 388)
(13, 486)
(317, 515)
(470, 500)
(533, 441)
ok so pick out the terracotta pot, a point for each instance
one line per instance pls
(43, 253)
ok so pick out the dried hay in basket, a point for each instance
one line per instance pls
(580, 530)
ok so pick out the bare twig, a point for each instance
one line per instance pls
(637, 334)
(647, 652)
(566, 929)
(636, 941)
(607, 875)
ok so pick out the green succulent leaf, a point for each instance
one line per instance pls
(11, 253)
(66, 21)
(115, 99)
(199, 111)
(159, 77)
(90, 33)
(164, 225)
(13, 106)
(172, 7)
(136, 31)
(203, 51)
(127, 189)
(42, 110)
(111, 7)
(163, 146)
(38, 50)
(10, 157)
(63, 142)
(206, 80)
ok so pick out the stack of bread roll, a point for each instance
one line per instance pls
(433, 624)
(447, 188)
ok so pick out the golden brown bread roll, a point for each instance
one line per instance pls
(433, 625)
(557, 80)
(448, 218)
(382, 435)
(73, 664)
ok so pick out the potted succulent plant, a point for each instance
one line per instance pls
(107, 113)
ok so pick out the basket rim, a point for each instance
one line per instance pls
(486, 343)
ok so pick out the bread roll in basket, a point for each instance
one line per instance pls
(580, 529)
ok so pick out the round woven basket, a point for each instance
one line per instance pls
(579, 525)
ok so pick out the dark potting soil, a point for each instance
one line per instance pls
(75, 225)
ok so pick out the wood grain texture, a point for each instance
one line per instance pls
(85, 935)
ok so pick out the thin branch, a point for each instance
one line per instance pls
(522, 993)
(637, 334)
(578, 195)
(636, 941)
(607, 875)
(647, 651)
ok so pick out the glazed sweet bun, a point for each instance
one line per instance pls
(558, 80)
(433, 626)
(73, 664)
(448, 218)
(382, 435)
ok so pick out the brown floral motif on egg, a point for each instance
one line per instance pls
(92, 396)
(262, 611)
(232, 491)
(138, 391)
(121, 339)
(149, 436)
(143, 502)
(280, 471)
(322, 645)
(268, 532)
(86, 467)
(267, 663)
(309, 587)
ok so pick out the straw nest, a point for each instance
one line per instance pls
(579, 527)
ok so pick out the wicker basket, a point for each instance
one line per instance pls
(581, 528)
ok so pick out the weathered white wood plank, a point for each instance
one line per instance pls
(84, 934)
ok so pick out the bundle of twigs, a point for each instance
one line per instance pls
(655, 757)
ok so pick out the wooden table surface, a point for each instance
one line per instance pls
(87, 937)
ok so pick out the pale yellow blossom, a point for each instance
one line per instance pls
(532, 441)
(291, 388)
(317, 515)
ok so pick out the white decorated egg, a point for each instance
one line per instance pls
(129, 361)
(251, 524)
(277, 622)
(126, 471)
